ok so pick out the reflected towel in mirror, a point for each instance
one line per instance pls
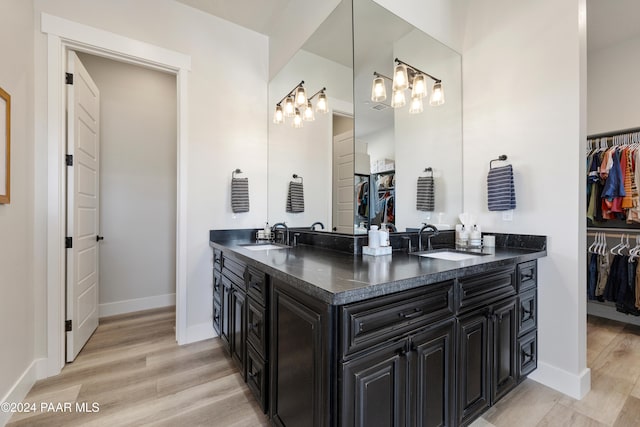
(425, 199)
(240, 195)
(295, 197)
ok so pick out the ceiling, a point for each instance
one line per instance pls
(257, 15)
(611, 21)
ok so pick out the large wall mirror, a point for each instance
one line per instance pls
(360, 162)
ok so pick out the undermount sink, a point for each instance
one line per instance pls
(264, 246)
(450, 255)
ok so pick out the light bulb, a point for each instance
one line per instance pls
(398, 100)
(308, 113)
(437, 95)
(297, 120)
(400, 79)
(416, 105)
(322, 106)
(278, 116)
(301, 97)
(289, 107)
(419, 87)
(378, 90)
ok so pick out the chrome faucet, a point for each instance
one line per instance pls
(313, 226)
(279, 225)
(434, 232)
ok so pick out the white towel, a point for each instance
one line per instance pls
(240, 195)
(425, 198)
(295, 197)
(501, 190)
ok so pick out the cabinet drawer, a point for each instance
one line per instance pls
(528, 314)
(486, 288)
(374, 321)
(231, 268)
(217, 313)
(257, 377)
(527, 354)
(256, 328)
(217, 259)
(257, 285)
(527, 275)
(217, 285)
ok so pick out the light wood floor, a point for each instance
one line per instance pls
(137, 374)
(133, 368)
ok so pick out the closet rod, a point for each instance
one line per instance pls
(611, 235)
(613, 133)
(614, 230)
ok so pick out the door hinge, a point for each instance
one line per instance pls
(68, 78)
(68, 327)
(68, 242)
(69, 159)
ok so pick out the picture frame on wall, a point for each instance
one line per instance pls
(5, 147)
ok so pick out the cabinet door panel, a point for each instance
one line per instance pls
(504, 349)
(256, 328)
(527, 355)
(225, 312)
(473, 367)
(238, 335)
(432, 376)
(296, 359)
(374, 388)
(528, 312)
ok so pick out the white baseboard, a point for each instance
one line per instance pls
(22, 386)
(138, 304)
(576, 386)
(199, 332)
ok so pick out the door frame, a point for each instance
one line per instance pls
(63, 35)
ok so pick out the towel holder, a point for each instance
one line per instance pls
(296, 176)
(500, 158)
(233, 174)
(429, 170)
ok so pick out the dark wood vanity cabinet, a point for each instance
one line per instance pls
(239, 317)
(437, 355)
(301, 387)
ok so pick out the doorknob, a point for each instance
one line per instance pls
(98, 238)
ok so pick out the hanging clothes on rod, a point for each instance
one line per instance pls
(613, 177)
(614, 275)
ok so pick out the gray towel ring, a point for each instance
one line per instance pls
(296, 176)
(501, 158)
(429, 170)
(233, 174)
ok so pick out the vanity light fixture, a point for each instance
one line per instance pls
(405, 77)
(297, 105)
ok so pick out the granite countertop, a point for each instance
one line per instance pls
(338, 278)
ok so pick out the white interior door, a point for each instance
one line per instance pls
(343, 185)
(83, 145)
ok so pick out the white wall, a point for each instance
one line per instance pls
(137, 185)
(524, 82)
(17, 304)
(432, 138)
(227, 117)
(442, 19)
(614, 87)
(307, 151)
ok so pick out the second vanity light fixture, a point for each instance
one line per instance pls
(296, 101)
(405, 77)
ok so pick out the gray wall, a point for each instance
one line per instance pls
(137, 185)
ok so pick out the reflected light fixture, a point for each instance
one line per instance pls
(405, 77)
(437, 95)
(378, 90)
(297, 120)
(398, 100)
(296, 104)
